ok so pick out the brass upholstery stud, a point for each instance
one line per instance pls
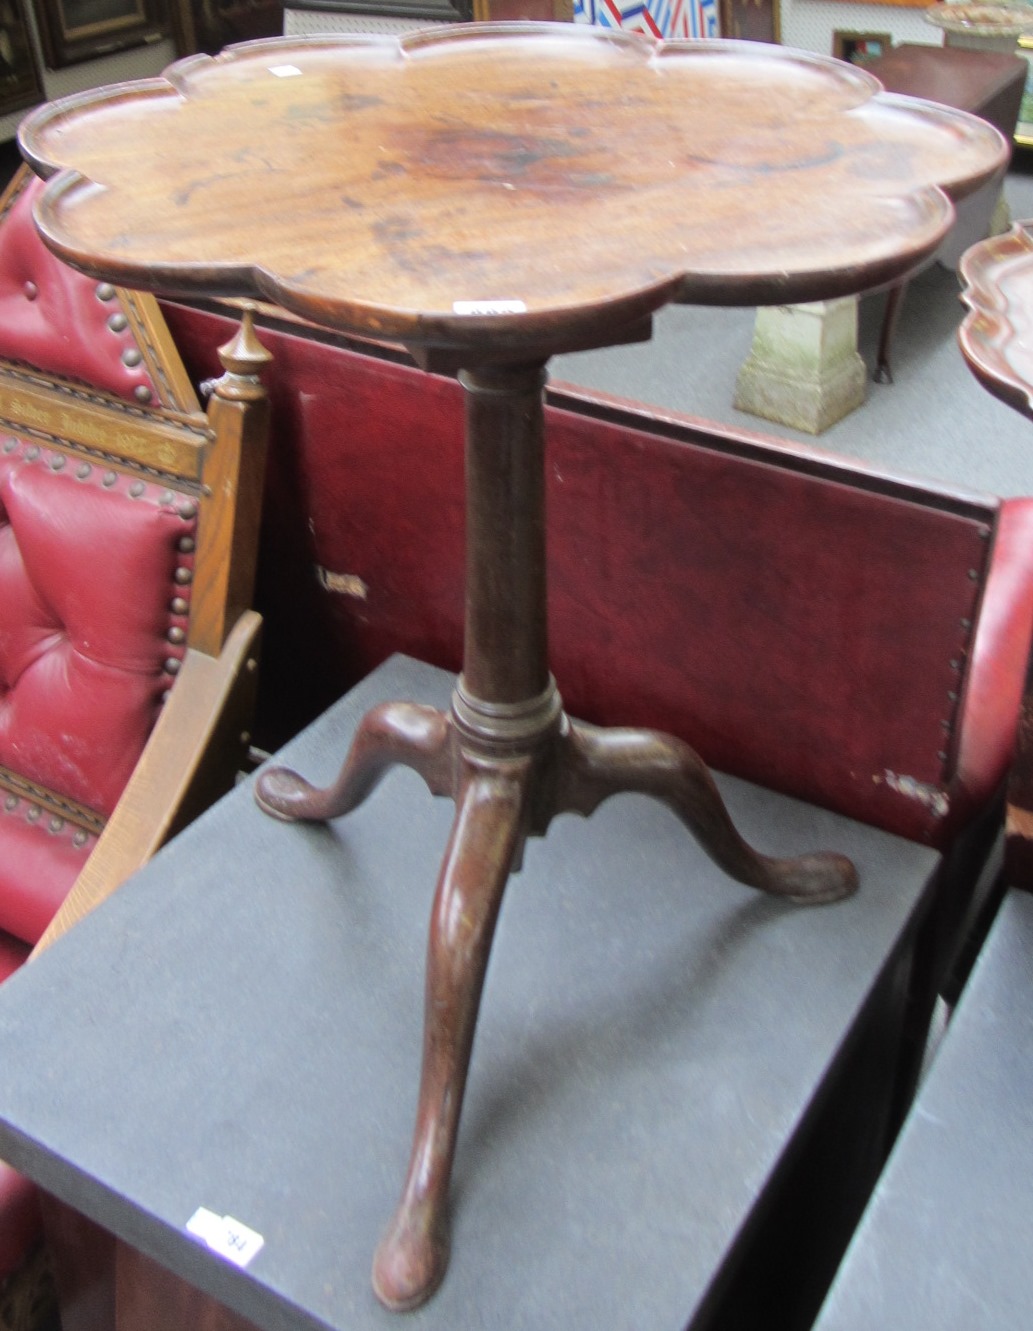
(10, 445)
(105, 291)
(179, 606)
(58, 461)
(136, 489)
(183, 576)
(32, 814)
(11, 802)
(80, 839)
(83, 471)
(56, 825)
(31, 290)
(131, 357)
(172, 665)
(118, 323)
(31, 454)
(188, 509)
(108, 479)
(166, 497)
(142, 393)
(176, 634)
(185, 545)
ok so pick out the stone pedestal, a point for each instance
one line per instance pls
(803, 369)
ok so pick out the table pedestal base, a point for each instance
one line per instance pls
(510, 768)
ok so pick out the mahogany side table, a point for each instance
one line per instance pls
(990, 84)
(492, 195)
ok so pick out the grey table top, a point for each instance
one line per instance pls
(947, 1239)
(239, 1028)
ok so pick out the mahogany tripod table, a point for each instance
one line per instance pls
(491, 196)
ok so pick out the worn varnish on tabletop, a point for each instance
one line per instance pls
(541, 183)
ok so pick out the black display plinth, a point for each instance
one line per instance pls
(945, 1243)
(676, 1097)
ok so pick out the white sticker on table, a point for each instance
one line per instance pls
(230, 1238)
(489, 307)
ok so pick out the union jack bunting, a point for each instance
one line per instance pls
(658, 18)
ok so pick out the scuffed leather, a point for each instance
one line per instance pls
(52, 318)
(86, 581)
(87, 577)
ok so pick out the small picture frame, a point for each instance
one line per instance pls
(20, 82)
(860, 48)
(76, 30)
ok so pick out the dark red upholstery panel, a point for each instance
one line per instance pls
(21, 1224)
(799, 625)
(58, 320)
(995, 679)
(13, 953)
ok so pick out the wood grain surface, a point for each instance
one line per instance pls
(541, 186)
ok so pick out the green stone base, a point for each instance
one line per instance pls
(803, 369)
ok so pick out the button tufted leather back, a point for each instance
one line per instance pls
(94, 564)
(65, 324)
(98, 529)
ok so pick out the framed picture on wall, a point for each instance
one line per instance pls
(20, 82)
(75, 30)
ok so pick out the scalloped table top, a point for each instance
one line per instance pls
(997, 335)
(532, 187)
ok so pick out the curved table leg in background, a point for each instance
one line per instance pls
(890, 320)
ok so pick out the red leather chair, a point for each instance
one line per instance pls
(128, 529)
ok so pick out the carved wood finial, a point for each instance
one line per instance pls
(243, 358)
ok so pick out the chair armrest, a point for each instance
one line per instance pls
(991, 706)
(191, 758)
